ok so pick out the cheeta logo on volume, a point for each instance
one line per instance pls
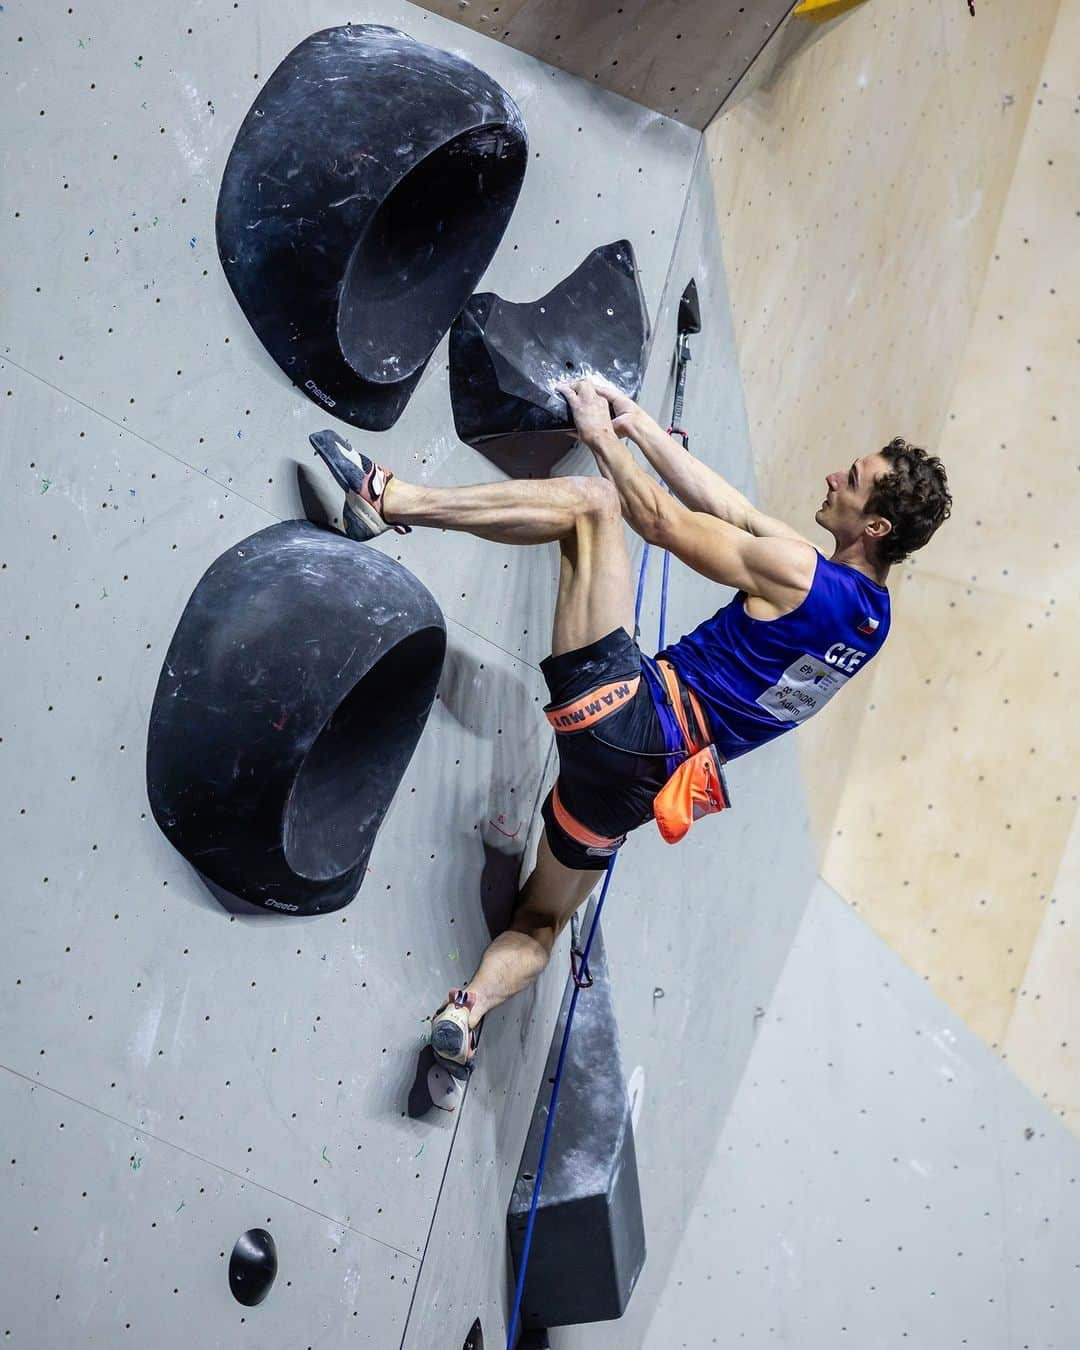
(330, 402)
(281, 904)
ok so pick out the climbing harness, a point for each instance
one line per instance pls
(689, 322)
(598, 845)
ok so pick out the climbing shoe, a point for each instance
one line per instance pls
(452, 1039)
(364, 482)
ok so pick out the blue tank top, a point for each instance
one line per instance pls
(758, 678)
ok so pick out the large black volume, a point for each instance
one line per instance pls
(367, 191)
(290, 702)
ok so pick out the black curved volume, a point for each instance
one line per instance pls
(292, 697)
(367, 191)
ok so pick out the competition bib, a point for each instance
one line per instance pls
(804, 687)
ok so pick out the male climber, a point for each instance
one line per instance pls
(642, 738)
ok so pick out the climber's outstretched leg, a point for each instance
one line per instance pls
(582, 515)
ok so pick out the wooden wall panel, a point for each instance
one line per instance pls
(681, 58)
(900, 225)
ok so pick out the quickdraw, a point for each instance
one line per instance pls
(579, 971)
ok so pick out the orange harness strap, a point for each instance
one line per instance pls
(594, 706)
(685, 705)
(696, 789)
(575, 829)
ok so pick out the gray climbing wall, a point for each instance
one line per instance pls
(884, 1179)
(174, 1075)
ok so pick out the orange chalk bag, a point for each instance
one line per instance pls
(697, 787)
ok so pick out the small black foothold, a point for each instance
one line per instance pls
(252, 1267)
(690, 310)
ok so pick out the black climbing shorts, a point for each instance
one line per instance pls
(612, 755)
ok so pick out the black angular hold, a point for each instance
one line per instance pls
(291, 699)
(588, 1245)
(366, 193)
(689, 309)
(252, 1267)
(506, 360)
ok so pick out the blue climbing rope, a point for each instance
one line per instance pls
(640, 591)
(578, 986)
(663, 600)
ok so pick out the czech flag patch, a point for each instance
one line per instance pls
(868, 626)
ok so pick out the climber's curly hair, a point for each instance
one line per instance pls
(914, 496)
